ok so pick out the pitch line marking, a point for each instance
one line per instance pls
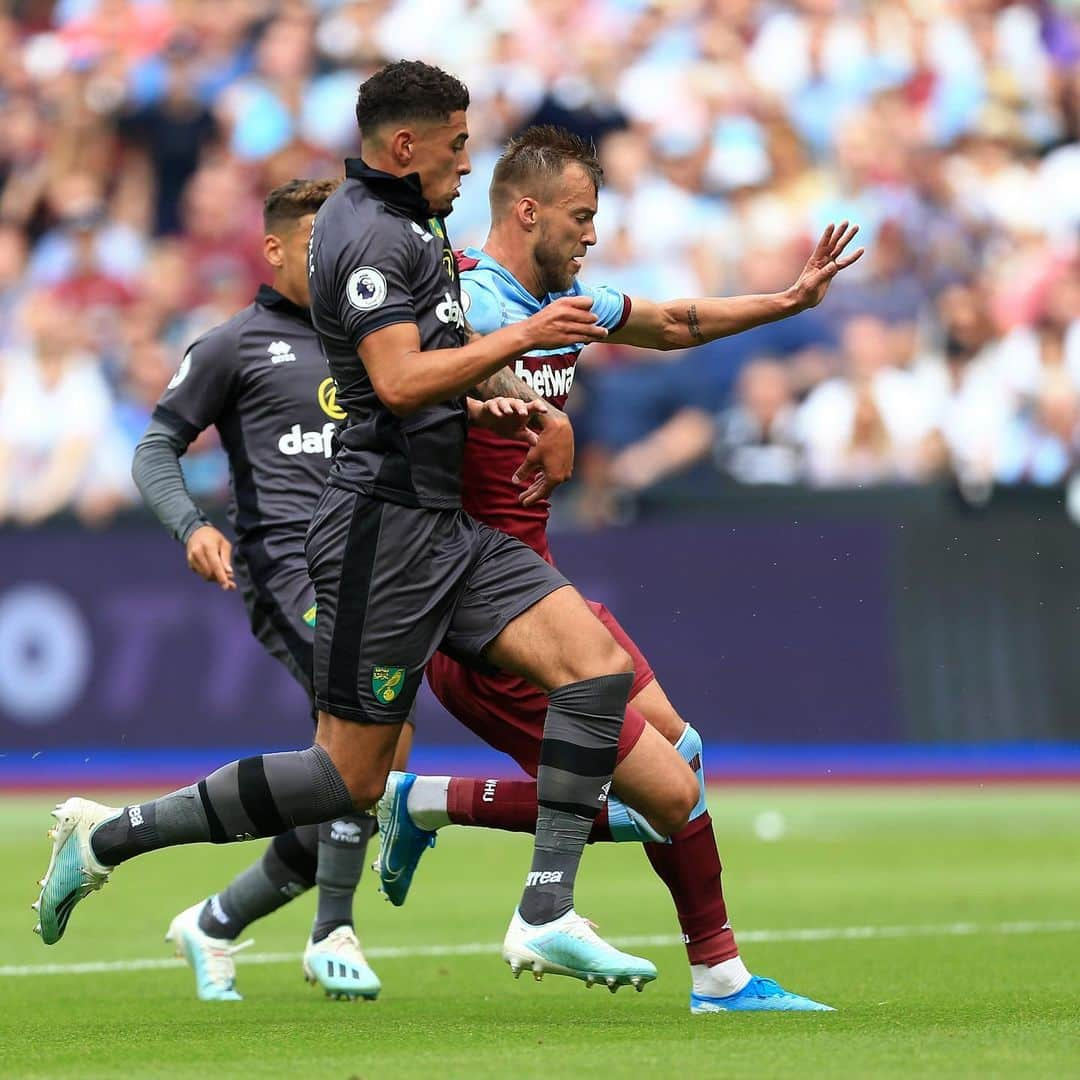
(479, 948)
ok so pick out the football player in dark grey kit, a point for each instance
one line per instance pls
(261, 379)
(400, 570)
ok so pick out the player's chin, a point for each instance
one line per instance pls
(447, 204)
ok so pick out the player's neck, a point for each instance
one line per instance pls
(516, 260)
(290, 294)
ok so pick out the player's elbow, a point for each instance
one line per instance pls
(672, 332)
(397, 397)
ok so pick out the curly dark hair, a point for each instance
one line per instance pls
(293, 199)
(538, 156)
(408, 90)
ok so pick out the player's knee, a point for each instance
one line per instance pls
(365, 787)
(365, 790)
(672, 814)
(610, 658)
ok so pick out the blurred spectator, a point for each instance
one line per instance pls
(172, 132)
(13, 286)
(755, 441)
(962, 381)
(54, 412)
(1030, 356)
(869, 424)
(1040, 443)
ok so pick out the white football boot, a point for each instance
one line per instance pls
(74, 872)
(338, 966)
(569, 945)
(210, 958)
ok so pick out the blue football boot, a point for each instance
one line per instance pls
(402, 843)
(758, 995)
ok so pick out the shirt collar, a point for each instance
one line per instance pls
(486, 261)
(402, 192)
(269, 297)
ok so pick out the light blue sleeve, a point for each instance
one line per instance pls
(482, 308)
(608, 304)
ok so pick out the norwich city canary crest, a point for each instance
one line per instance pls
(386, 683)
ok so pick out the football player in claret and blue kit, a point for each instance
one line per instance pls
(543, 200)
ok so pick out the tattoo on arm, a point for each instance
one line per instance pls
(692, 323)
(504, 383)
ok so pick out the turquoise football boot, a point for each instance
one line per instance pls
(338, 966)
(73, 873)
(569, 945)
(209, 957)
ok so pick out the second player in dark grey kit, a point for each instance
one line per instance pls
(261, 379)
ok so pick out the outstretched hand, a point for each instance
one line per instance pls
(824, 264)
(507, 417)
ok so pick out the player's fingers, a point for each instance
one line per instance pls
(225, 553)
(847, 260)
(199, 561)
(843, 240)
(583, 303)
(535, 406)
(526, 435)
(538, 490)
(528, 467)
(825, 243)
(216, 570)
(581, 331)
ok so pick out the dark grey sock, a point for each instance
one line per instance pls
(258, 796)
(577, 758)
(342, 850)
(286, 870)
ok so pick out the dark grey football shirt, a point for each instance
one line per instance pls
(261, 379)
(378, 257)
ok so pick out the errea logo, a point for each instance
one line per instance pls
(280, 352)
(542, 877)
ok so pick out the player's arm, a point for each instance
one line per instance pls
(679, 324)
(160, 480)
(407, 379)
(194, 400)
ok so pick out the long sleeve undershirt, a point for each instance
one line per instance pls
(159, 478)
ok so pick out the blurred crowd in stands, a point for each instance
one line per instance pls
(139, 137)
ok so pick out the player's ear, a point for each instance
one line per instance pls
(403, 146)
(273, 251)
(526, 210)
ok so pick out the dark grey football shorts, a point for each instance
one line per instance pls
(393, 584)
(280, 600)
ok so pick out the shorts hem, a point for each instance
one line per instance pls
(508, 615)
(357, 714)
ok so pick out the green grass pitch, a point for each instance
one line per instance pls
(949, 942)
